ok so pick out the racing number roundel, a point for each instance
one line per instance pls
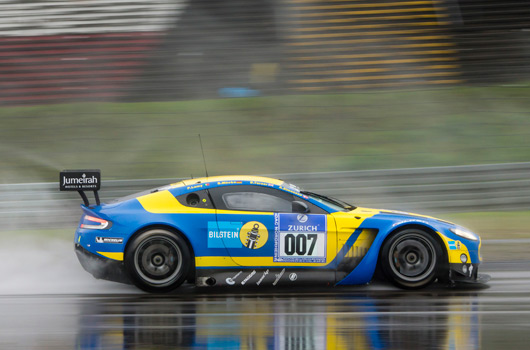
(253, 235)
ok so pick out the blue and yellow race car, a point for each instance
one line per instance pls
(258, 231)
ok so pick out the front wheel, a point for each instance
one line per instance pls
(158, 260)
(409, 259)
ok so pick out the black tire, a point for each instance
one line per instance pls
(158, 260)
(409, 259)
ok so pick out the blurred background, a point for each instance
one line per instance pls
(411, 105)
(417, 105)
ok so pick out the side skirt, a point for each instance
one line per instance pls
(263, 277)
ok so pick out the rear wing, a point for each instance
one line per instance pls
(81, 181)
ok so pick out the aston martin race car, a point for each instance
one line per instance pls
(237, 231)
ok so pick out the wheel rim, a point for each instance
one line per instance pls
(158, 260)
(412, 257)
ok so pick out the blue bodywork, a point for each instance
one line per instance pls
(129, 217)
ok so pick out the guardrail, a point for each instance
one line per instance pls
(426, 190)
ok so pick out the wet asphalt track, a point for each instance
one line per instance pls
(368, 317)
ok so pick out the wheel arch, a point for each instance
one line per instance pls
(168, 228)
(443, 262)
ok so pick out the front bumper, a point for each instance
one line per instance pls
(101, 268)
(466, 273)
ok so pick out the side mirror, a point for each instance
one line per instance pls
(299, 207)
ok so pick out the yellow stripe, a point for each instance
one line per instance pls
(376, 70)
(368, 12)
(370, 26)
(359, 19)
(347, 71)
(164, 202)
(319, 1)
(369, 63)
(113, 256)
(209, 261)
(215, 261)
(373, 40)
(241, 212)
(204, 180)
(442, 66)
(370, 5)
(377, 85)
(348, 49)
(382, 77)
(352, 34)
(373, 55)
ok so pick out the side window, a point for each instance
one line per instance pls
(255, 201)
(257, 198)
(198, 199)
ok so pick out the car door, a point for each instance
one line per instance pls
(258, 227)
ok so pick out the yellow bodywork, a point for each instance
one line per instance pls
(454, 254)
(341, 226)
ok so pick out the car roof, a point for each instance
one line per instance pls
(226, 178)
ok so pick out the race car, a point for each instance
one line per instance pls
(258, 231)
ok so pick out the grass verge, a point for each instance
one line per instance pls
(268, 135)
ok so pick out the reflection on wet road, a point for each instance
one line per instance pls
(372, 317)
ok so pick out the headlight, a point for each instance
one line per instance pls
(464, 233)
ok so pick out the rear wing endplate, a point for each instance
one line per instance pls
(81, 181)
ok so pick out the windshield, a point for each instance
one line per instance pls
(330, 201)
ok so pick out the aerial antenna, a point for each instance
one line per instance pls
(203, 158)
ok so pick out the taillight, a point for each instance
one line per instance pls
(93, 223)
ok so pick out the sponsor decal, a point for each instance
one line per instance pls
(300, 238)
(262, 277)
(248, 277)
(278, 276)
(291, 190)
(261, 183)
(219, 183)
(454, 245)
(224, 234)
(302, 218)
(229, 234)
(116, 240)
(253, 235)
(293, 276)
(78, 180)
(302, 228)
(231, 280)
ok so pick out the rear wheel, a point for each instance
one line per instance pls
(409, 259)
(158, 260)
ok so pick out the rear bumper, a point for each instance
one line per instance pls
(101, 268)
